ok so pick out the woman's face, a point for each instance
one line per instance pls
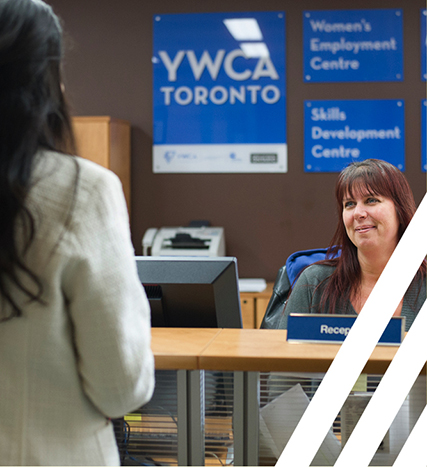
(371, 221)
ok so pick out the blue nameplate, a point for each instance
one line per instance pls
(332, 329)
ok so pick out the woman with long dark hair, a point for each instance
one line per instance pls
(375, 205)
(74, 319)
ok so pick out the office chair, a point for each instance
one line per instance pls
(284, 281)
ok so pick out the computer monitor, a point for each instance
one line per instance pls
(189, 291)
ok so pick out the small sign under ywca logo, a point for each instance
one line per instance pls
(269, 158)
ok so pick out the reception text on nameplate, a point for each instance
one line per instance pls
(335, 328)
(339, 132)
(353, 45)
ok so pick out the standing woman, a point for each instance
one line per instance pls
(74, 319)
(375, 205)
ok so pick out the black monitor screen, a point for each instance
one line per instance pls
(191, 291)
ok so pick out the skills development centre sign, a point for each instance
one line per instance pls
(219, 93)
(339, 132)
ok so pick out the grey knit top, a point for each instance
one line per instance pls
(306, 297)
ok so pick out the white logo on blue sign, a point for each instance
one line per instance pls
(219, 85)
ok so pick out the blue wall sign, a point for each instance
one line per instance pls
(423, 135)
(353, 45)
(423, 44)
(339, 132)
(332, 329)
(219, 92)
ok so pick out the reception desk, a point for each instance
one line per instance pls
(245, 353)
(248, 350)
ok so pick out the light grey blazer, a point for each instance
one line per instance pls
(82, 357)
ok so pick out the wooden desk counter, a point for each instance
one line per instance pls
(249, 350)
(264, 350)
(179, 348)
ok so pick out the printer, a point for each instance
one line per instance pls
(184, 241)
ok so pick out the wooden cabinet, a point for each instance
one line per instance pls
(106, 141)
(253, 306)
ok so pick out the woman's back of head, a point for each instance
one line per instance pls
(34, 115)
(31, 100)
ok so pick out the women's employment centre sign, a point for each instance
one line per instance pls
(219, 93)
(339, 132)
(353, 45)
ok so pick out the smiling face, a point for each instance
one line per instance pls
(371, 222)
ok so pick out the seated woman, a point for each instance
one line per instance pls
(376, 204)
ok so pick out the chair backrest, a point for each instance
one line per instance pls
(285, 279)
(301, 259)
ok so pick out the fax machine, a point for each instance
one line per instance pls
(184, 241)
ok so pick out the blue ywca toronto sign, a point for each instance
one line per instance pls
(339, 132)
(219, 93)
(353, 45)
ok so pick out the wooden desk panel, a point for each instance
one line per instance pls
(253, 305)
(261, 304)
(247, 307)
(268, 350)
(179, 348)
(266, 293)
(264, 350)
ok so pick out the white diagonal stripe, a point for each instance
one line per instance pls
(414, 452)
(388, 397)
(359, 344)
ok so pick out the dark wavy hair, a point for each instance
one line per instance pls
(34, 115)
(370, 177)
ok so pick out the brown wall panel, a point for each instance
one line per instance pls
(266, 216)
